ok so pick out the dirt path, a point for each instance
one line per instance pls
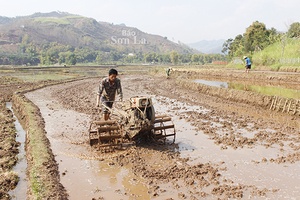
(223, 149)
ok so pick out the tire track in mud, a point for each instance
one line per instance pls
(162, 168)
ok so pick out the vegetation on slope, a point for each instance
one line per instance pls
(266, 47)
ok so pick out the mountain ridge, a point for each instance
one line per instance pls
(208, 46)
(79, 32)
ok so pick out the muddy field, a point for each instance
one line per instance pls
(228, 144)
(223, 149)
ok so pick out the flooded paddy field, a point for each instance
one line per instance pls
(269, 89)
(223, 149)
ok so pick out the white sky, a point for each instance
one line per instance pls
(187, 21)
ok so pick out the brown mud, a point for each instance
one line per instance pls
(9, 149)
(224, 148)
(8, 144)
(8, 152)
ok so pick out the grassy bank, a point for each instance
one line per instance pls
(42, 168)
(43, 174)
(280, 56)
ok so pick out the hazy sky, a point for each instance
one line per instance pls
(180, 20)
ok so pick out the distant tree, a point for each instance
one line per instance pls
(45, 59)
(139, 56)
(226, 46)
(283, 42)
(236, 47)
(103, 57)
(174, 57)
(185, 58)
(71, 58)
(31, 50)
(85, 55)
(155, 57)
(164, 58)
(160, 58)
(50, 53)
(147, 58)
(61, 58)
(151, 57)
(115, 56)
(195, 58)
(208, 58)
(130, 58)
(274, 36)
(294, 30)
(256, 37)
(98, 58)
(24, 43)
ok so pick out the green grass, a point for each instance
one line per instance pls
(41, 159)
(280, 56)
(268, 90)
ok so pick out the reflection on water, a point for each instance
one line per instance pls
(123, 176)
(266, 90)
(213, 83)
(20, 191)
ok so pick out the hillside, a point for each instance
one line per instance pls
(77, 31)
(280, 56)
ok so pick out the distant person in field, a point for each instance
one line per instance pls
(108, 88)
(168, 71)
(247, 64)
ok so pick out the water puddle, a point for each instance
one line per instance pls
(20, 191)
(266, 90)
(240, 164)
(212, 83)
(84, 173)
